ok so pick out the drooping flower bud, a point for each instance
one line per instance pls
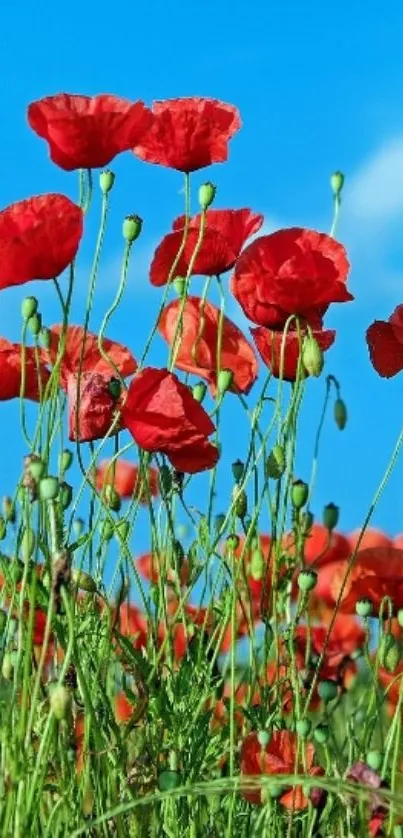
(7, 667)
(65, 494)
(321, 734)
(29, 307)
(112, 498)
(199, 391)
(276, 463)
(340, 414)
(49, 488)
(83, 580)
(132, 228)
(224, 381)
(307, 580)
(312, 357)
(122, 529)
(337, 183)
(106, 181)
(330, 516)
(240, 502)
(238, 470)
(179, 284)
(207, 194)
(34, 324)
(65, 460)
(299, 494)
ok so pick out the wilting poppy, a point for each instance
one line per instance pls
(36, 374)
(385, 344)
(39, 237)
(92, 360)
(291, 272)
(198, 350)
(278, 757)
(162, 415)
(270, 344)
(85, 132)
(127, 479)
(189, 133)
(97, 407)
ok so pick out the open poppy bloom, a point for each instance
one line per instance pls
(39, 238)
(127, 479)
(124, 708)
(385, 344)
(92, 360)
(132, 623)
(189, 133)
(198, 350)
(86, 132)
(150, 565)
(346, 637)
(285, 360)
(162, 415)
(278, 757)
(35, 376)
(291, 272)
(236, 226)
(377, 572)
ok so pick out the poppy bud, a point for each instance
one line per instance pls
(374, 759)
(219, 522)
(257, 565)
(27, 544)
(114, 388)
(65, 460)
(107, 530)
(337, 182)
(398, 831)
(233, 541)
(60, 700)
(263, 737)
(165, 480)
(83, 580)
(7, 667)
(207, 193)
(238, 470)
(45, 337)
(400, 617)
(29, 307)
(106, 181)
(78, 526)
(3, 622)
(321, 734)
(240, 502)
(312, 357)
(303, 728)
(299, 494)
(168, 780)
(179, 284)
(276, 463)
(122, 529)
(9, 510)
(3, 528)
(132, 228)
(307, 580)
(276, 791)
(88, 798)
(36, 468)
(199, 391)
(224, 381)
(112, 498)
(65, 495)
(389, 650)
(49, 488)
(340, 414)
(330, 516)
(363, 608)
(307, 520)
(327, 690)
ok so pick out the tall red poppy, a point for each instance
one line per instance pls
(92, 360)
(39, 237)
(86, 132)
(236, 226)
(270, 342)
(199, 343)
(189, 133)
(35, 377)
(162, 415)
(127, 479)
(293, 271)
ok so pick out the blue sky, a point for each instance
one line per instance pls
(319, 88)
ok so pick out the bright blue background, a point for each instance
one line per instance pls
(319, 88)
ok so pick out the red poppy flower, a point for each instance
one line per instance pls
(39, 237)
(385, 344)
(124, 708)
(377, 572)
(293, 271)
(199, 339)
(278, 757)
(150, 565)
(92, 361)
(133, 624)
(86, 132)
(270, 342)
(188, 134)
(127, 479)
(35, 377)
(371, 538)
(162, 415)
(235, 226)
(346, 637)
(97, 407)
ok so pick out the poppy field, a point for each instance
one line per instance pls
(243, 676)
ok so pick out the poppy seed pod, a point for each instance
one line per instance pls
(34, 324)
(312, 357)
(327, 690)
(389, 652)
(224, 381)
(307, 580)
(233, 541)
(168, 780)
(276, 463)
(238, 470)
(303, 728)
(199, 391)
(132, 228)
(240, 502)
(374, 759)
(49, 488)
(340, 414)
(36, 468)
(106, 181)
(207, 194)
(363, 608)
(321, 734)
(29, 307)
(299, 494)
(330, 516)
(337, 183)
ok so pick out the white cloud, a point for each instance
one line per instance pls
(375, 193)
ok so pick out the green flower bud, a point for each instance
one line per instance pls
(168, 780)
(29, 307)
(307, 580)
(7, 667)
(330, 516)
(3, 528)
(389, 652)
(78, 526)
(363, 608)
(60, 700)
(34, 324)
(340, 414)
(233, 541)
(276, 790)
(114, 388)
(36, 468)
(45, 337)
(276, 463)
(65, 495)
(312, 357)
(65, 460)
(257, 565)
(400, 617)
(321, 734)
(240, 502)
(263, 737)
(199, 391)
(179, 284)
(9, 510)
(303, 728)
(224, 381)
(238, 470)
(327, 690)
(336, 183)
(28, 542)
(106, 181)
(374, 759)
(307, 520)
(49, 488)
(299, 494)
(207, 193)
(122, 529)
(219, 522)
(83, 580)
(132, 228)
(3, 622)
(112, 498)
(107, 530)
